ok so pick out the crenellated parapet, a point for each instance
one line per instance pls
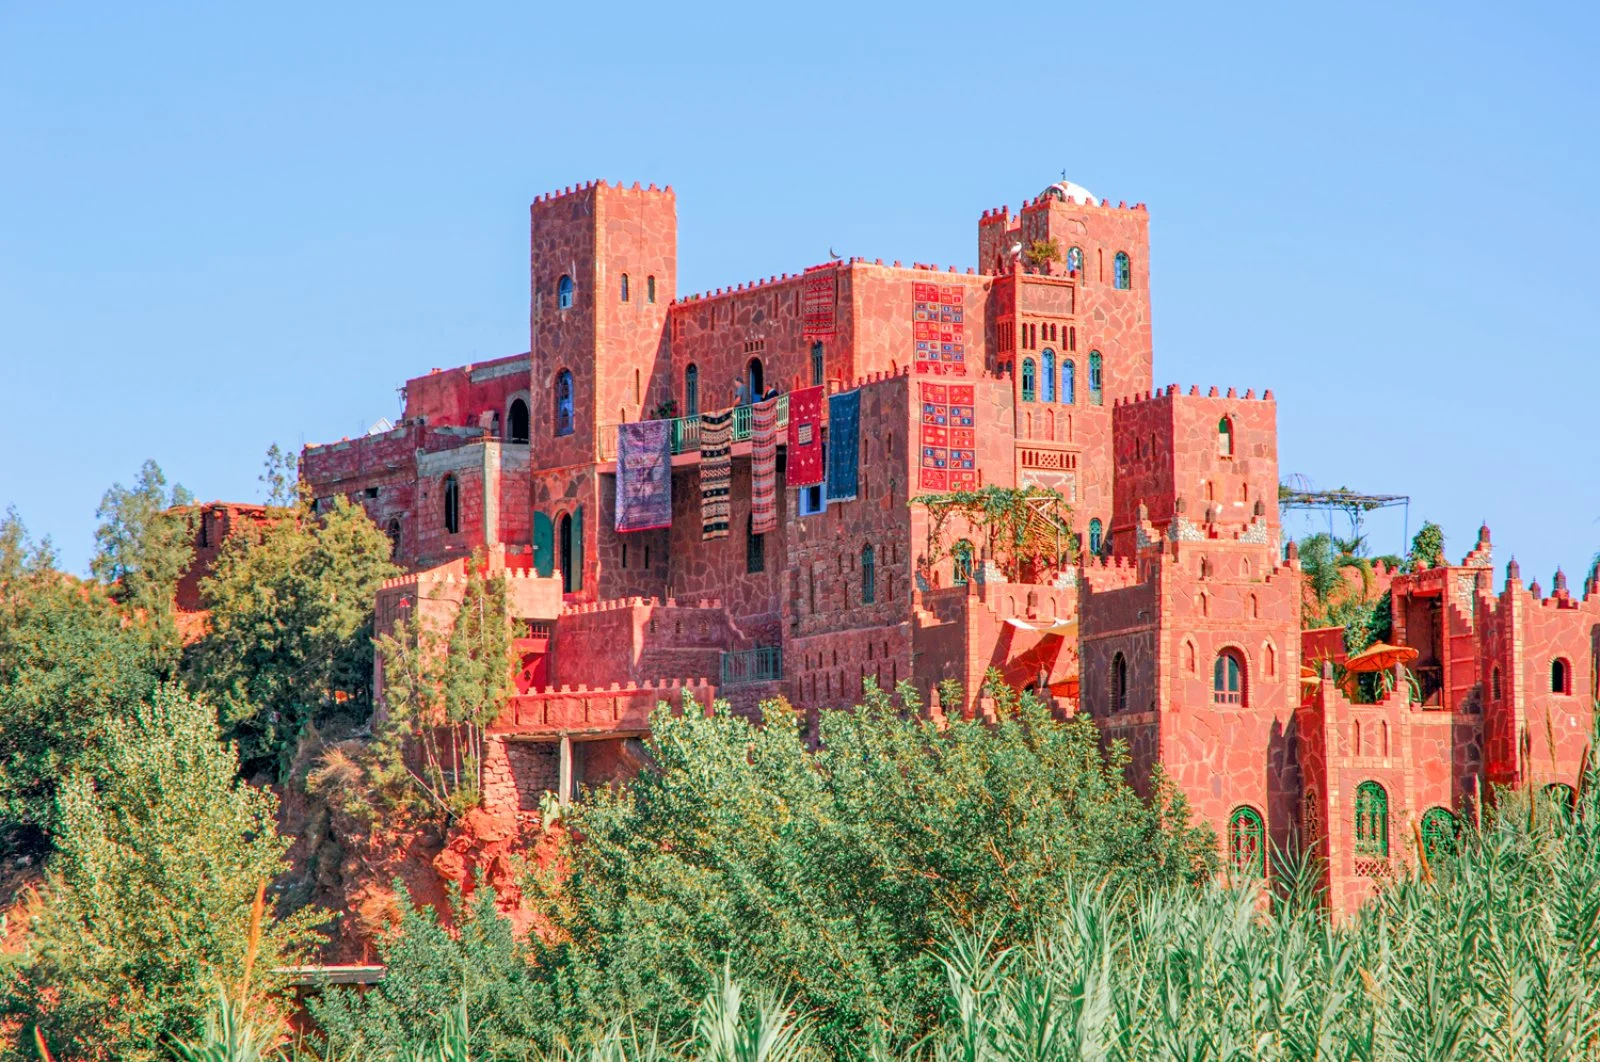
(616, 710)
(619, 188)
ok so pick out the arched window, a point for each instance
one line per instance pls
(1372, 821)
(1072, 338)
(564, 292)
(452, 505)
(650, 289)
(1560, 676)
(1494, 683)
(1119, 683)
(1225, 437)
(869, 576)
(816, 364)
(1029, 380)
(754, 381)
(1122, 272)
(624, 287)
(1247, 841)
(1069, 381)
(691, 391)
(517, 421)
(1227, 678)
(1096, 379)
(1096, 536)
(1438, 831)
(1047, 381)
(1075, 260)
(569, 542)
(961, 563)
(564, 403)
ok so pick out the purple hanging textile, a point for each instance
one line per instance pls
(644, 475)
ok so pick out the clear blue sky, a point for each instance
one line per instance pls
(223, 226)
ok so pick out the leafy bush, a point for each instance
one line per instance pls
(1488, 951)
(825, 872)
(290, 638)
(431, 972)
(150, 893)
(71, 660)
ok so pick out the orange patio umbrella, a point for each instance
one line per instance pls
(1380, 656)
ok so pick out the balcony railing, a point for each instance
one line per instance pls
(748, 666)
(686, 430)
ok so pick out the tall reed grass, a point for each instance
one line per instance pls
(1489, 951)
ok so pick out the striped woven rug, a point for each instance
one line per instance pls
(716, 472)
(764, 467)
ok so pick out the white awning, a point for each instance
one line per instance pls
(1059, 626)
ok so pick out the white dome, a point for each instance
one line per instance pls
(1064, 189)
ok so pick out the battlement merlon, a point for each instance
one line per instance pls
(589, 188)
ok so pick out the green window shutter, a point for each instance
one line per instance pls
(577, 549)
(544, 544)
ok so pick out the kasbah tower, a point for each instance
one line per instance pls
(1174, 624)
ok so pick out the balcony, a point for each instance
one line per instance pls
(685, 431)
(747, 667)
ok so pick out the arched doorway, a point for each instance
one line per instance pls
(565, 539)
(755, 381)
(569, 544)
(518, 421)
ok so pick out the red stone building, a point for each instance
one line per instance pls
(1035, 369)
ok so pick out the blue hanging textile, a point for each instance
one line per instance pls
(844, 445)
(644, 475)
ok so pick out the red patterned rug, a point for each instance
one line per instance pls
(819, 294)
(949, 437)
(939, 330)
(804, 467)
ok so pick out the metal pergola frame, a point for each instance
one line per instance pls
(1354, 504)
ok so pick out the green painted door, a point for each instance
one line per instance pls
(544, 544)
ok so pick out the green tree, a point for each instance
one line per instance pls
(149, 900)
(827, 872)
(143, 546)
(280, 475)
(1427, 548)
(440, 693)
(290, 635)
(1333, 599)
(71, 660)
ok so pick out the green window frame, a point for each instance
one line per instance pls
(1372, 821)
(1122, 271)
(1247, 841)
(1030, 379)
(1097, 383)
(961, 563)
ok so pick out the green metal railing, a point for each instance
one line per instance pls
(686, 430)
(748, 666)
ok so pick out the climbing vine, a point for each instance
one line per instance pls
(1022, 527)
